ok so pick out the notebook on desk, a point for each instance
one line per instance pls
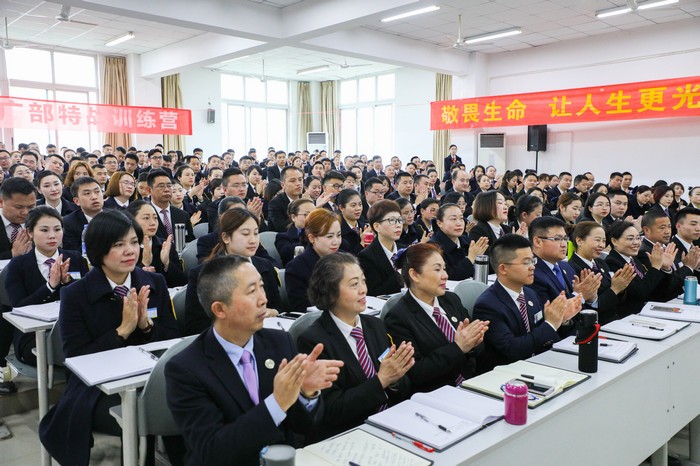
(617, 351)
(649, 328)
(46, 312)
(439, 418)
(557, 380)
(672, 311)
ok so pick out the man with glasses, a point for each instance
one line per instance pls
(111, 163)
(160, 187)
(520, 325)
(553, 275)
(235, 185)
(5, 162)
(373, 192)
(155, 157)
(332, 184)
(292, 185)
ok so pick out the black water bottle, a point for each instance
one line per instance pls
(587, 339)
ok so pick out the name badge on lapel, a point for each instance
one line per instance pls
(152, 312)
(74, 275)
(538, 317)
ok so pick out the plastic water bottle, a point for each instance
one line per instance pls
(690, 290)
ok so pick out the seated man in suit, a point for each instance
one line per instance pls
(292, 185)
(239, 387)
(87, 195)
(554, 275)
(520, 325)
(404, 188)
(687, 230)
(160, 187)
(235, 184)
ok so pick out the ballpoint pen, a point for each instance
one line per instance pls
(651, 327)
(423, 417)
(415, 443)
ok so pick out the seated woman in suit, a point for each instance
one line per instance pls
(312, 187)
(434, 321)
(678, 191)
(640, 201)
(491, 215)
(589, 243)
(663, 200)
(256, 181)
(365, 384)
(158, 255)
(180, 200)
(427, 211)
(121, 190)
(386, 221)
(77, 170)
(483, 185)
(649, 280)
(351, 227)
(322, 237)
(527, 209)
(237, 234)
(287, 241)
(476, 176)
(50, 187)
(38, 276)
(458, 253)
(597, 208)
(410, 233)
(569, 208)
(115, 305)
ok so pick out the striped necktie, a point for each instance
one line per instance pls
(166, 222)
(15, 231)
(639, 273)
(523, 311)
(448, 331)
(49, 262)
(121, 291)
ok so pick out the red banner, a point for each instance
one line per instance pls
(18, 112)
(630, 101)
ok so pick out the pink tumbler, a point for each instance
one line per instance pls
(515, 396)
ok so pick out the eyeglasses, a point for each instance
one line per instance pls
(526, 262)
(335, 186)
(128, 183)
(393, 220)
(156, 157)
(558, 239)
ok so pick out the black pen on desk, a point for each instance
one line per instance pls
(605, 344)
(279, 324)
(651, 327)
(351, 463)
(425, 418)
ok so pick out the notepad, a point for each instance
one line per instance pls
(672, 311)
(493, 382)
(617, 351)
(278, 323)
(120, 363)
(46, 312)
(649, 328)
(358, 447)
(445, 416)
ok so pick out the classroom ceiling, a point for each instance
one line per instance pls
(291, 35)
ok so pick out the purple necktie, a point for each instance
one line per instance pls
(595, 268)
(639, 273)
(249, 377)
(523, 311)
(448, 331)
(49, 263)
(362, 354)
(121, 291)
(15, 231)
(166, 222)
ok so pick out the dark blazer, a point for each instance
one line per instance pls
(448, 163)
(640, 290)
(395, 195)
(379, 271)
(67, 205)
(175, 275)
(546, 284)
(673, 282)
(5, 245)
(296, 279)
(458, 266)
(608, 301)
(273, 173)
(277, 212)
(506, 340)
(111, 203)
(484, 229)
(197, 319)
(212, 408)
(176, 216)
(438, 362)
(212, 211)
(353, 397)
(73, 224)
(352, 242)
(286, 242)
(90, 314)
(409, 236)
(634, 209)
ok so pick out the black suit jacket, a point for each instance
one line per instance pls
(608, 301)
(73, 230)
(286, 242)
(507, 340)
(640, 290)
(296, 279)
(277, 212)
(111, 203)
(395, 195)
(213, 410)
(438, 362)
(175, 275)
(484, 229)
(353, 397)
(176, 216)
(352, 242)
(458, 266)
(546, 284)
(448, 163)
(379, 271)
(67, 206)
(273, 173)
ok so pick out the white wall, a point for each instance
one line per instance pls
(143, 92)
(650, 149)
(415, 89)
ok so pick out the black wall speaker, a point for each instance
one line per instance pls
(537, 138)
(211, 115)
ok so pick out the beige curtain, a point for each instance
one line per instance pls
(304, 105)
(115, 92)
(171, 97)
(441, 139)
(329, 109)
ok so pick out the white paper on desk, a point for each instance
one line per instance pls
(361, 448)
(463, 403)
(120, 363)
(278, 323)
(672, 311)
(47, 312)
(173, 291)
(613, 351)
(638, 326)
(402, 419)
(3, 263)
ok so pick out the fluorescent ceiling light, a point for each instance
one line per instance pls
(613, 12)
(493, 35)
(314, 69)
(120, 39)
(233, 59)
(411, 13)
(653, 4)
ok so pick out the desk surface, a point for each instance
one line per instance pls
(26, 324)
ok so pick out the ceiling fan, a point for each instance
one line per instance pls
(6, 44)
(345, 64)
(459, 41)
(64, 17)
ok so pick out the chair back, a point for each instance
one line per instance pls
(468, 292)
(180, 308)
(267, 239)
(189, 256)
(302, 323)
(283, 289)
(54, 346)
(154, 416)
(4, 298)
(390, 303)
(201, 229)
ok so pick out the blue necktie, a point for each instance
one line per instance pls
(560, 277)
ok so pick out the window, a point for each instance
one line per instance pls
(367, 115)
(255, 113)
(47, 75)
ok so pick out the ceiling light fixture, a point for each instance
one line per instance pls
(233, 59)
(411, 13)
(129, 35)
(613, 12)
(313, 69)
(654, 4)
(493, 35)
